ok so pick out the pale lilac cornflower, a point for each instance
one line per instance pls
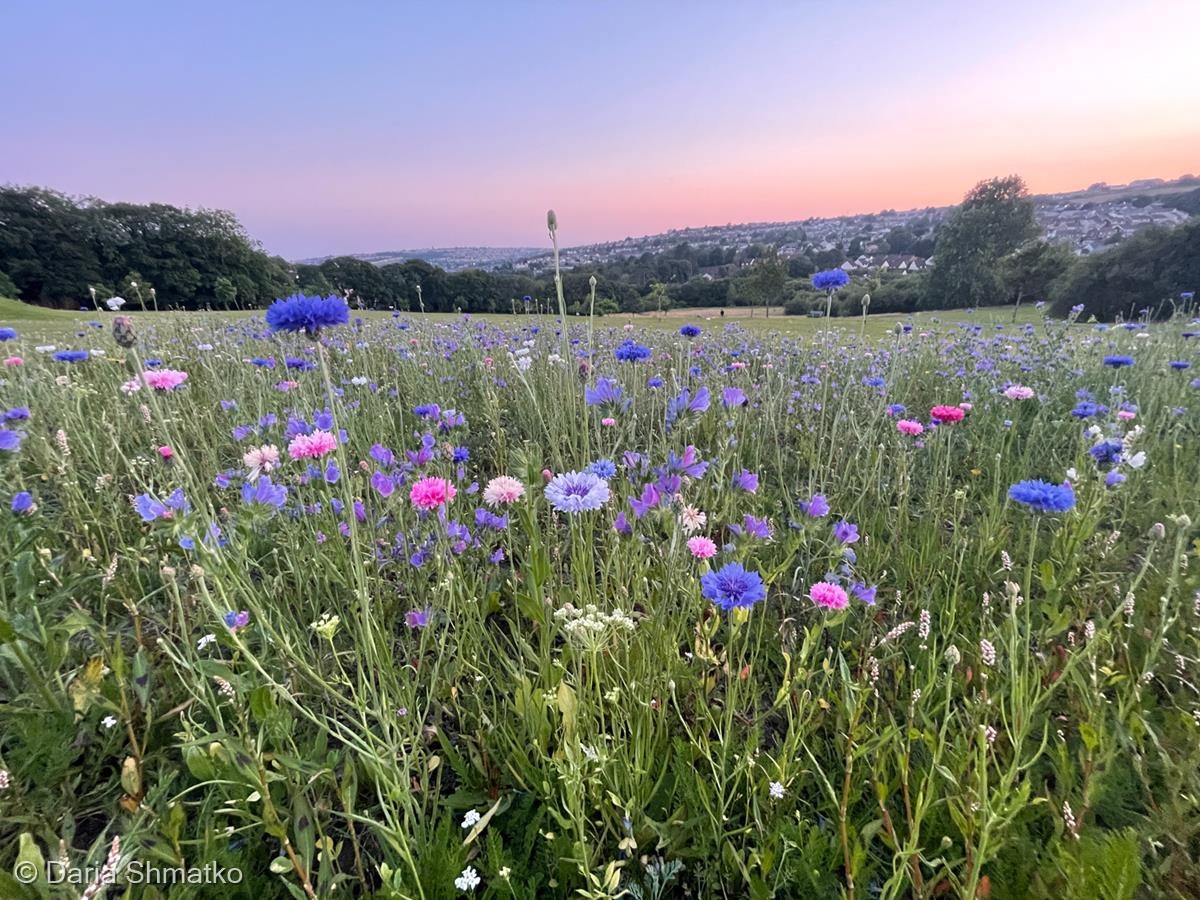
(470, 818)
(776, 790)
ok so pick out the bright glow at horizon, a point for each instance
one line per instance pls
(372, 127)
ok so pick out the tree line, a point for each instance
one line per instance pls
(57, 250)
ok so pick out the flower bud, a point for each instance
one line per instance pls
(551, 221)
(123, 333)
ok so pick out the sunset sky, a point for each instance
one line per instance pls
(331, 128)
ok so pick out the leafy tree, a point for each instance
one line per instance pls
(225, 291)
(7, 287)
(994, 219)
(1147, 270)
(765, 282)
(1032, 269)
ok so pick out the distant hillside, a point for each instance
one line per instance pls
(1089, 219)
(451, 259)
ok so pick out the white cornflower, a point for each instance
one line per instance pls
(109, 721)
(468, 880)
(205, 641)
(470, 819)
(692, 519)
(776, 790)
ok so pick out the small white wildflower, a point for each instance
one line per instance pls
(209, 638)
(468, 880)
(470, 819)
(776, 790)
(109, 721)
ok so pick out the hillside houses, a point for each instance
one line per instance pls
(903, 263)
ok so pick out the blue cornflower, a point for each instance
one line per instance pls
(653, 383)
(71, 356)
(1180, 364)
(573, 492)
(732, 586)
(10, 441)
(22, 502)
(8, 334)
(830, 280)
(1107, 453)
(874, 381)
(1042, 496)
(267, 362)
(17, 414)
(628, 351)
(690, 330)
(1086, 409)
(1118, 361)
(308, 314)
(605, 468)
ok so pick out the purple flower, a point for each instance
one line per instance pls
(384, 484)
(864, 592)
(236, 621)
(264, 493)
(22, 502)
(816, 508)
(746, 480)
(759, 528)
(733, 396)
(417, 618)
(844, 532)
(650, 498)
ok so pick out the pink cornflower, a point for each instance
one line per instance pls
(312, 445)
(547, 474)
(430, 492)
(702, 547)
(13, 361)
(947, 414)
(909, 426)
(165, 452)
(1018, 392)
(1126, 415)
(503, 489)
(608, 422)
(164, 379)
(828, 595)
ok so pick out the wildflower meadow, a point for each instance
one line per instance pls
(403, 606)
